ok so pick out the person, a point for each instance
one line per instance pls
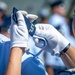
(59, 11)
(71, 35)
(56, 42)
(44, 13)
(18, 48)
(57, 19)
(4, 22)
(5, 53)
(4, 36)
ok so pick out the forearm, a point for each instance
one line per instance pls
(14, 65)
(69, 57)
(19, 41)
(50, 70)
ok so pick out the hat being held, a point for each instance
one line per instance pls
(33, 66)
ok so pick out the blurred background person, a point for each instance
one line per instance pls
(57, 19)
(5, 22)
(53, 64)
(43, 15)
(71, 35)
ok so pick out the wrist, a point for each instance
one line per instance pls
(21, 44)
(65, 49)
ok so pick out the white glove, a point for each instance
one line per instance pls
(18, 32)
(56, 41)
(32, 17)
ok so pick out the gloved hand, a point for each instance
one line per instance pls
(30, 26)
(55, 40)
(18, 32)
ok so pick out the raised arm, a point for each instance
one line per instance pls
(19, 39)
(57, 44)
(69, 56)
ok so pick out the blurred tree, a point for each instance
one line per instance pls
(71, 8)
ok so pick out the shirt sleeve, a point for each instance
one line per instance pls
(4, 56)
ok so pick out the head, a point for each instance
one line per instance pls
(3, 7)
(4, 18)
(43, 14)
(58, 7)
(1, 16)
(3, 11)
(5, 25)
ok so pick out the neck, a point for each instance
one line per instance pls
(6, 34)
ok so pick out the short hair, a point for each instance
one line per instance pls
(55, 3)
(5, 25)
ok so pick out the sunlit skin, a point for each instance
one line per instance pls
(14, 66)
(1, 20)
(69, 57)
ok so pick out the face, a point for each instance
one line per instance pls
(1, 15)
(62, 9)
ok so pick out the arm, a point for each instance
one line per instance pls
(19, 39)
(69, 57)
(14, 67)
(57, 43)
(50, 70)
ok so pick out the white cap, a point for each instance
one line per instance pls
(3, 5)
(44, 12)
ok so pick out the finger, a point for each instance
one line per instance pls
(23, 12)
(32, 17)
(12, 21)
(20, 18)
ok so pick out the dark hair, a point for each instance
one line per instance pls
(5, 25)
(56, 3)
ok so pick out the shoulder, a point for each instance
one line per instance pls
(55, 19)
(42, 24)
(5, 44)
(3, 38)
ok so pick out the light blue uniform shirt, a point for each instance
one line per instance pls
(5, 54)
